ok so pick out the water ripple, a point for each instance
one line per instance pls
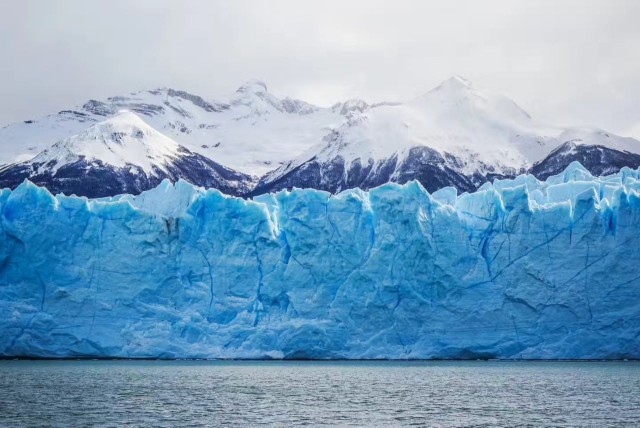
(203, 394)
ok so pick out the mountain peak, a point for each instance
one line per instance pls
(124, 122)
(124, 116)
(123, 139)
(462, 103)
(457, 81)
(253, 86)
(452, 89)
(454, 84)
(351, 105)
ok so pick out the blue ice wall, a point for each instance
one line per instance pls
(518, 269)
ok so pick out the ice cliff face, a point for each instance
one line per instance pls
(518, 269)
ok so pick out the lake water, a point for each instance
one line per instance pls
(193, 393)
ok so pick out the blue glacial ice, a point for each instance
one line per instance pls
(518, 269)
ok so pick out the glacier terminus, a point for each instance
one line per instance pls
(519, 269)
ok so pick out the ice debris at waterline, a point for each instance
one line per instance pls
(518, 269)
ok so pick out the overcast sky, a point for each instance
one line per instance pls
(565, 62)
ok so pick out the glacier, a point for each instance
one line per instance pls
(519, 269)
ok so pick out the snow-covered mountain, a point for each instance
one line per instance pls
(454, 135)
(121, 154)
(601, 152)
(251, 131)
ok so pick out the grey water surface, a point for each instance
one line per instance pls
(214, 393)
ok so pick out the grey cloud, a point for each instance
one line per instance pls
(566, 62)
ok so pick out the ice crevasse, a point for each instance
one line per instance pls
(518, 269)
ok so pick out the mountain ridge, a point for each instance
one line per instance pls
(121, 154)
(255, 142)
